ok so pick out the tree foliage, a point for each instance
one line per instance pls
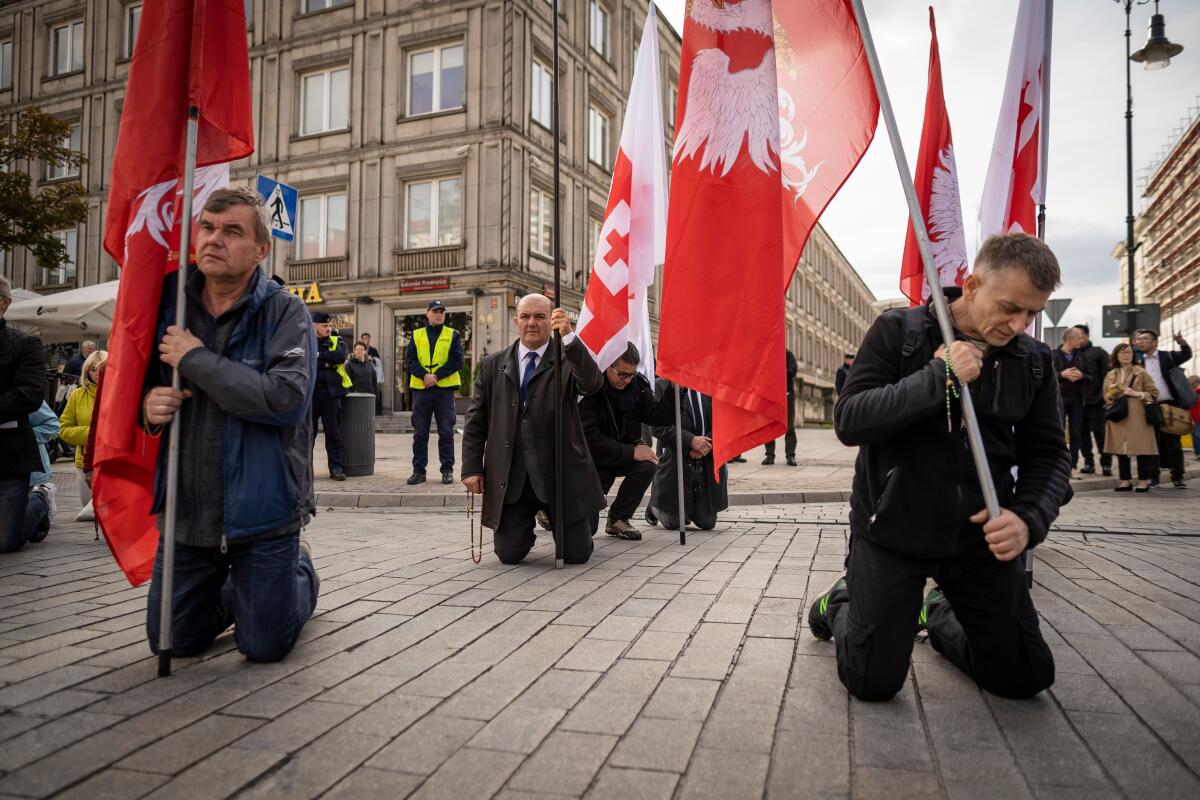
(29, 218)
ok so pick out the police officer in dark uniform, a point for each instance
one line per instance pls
(434, 358)
(333, 383)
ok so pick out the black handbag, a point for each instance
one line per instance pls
(1154, 414)
(1118, 409)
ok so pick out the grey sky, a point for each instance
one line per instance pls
(1085, 203)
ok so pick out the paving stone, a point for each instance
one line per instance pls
(319, 765)
(220, 775)
(271, 701)
(632, 784)
(370, 784)
(183, 748)
(470, 773)
(558, 688)
(682, 698)
(296, 728)
(114, 784)
(710, 651)
(617, 698)
(1134, 757)
(809, 765)
(566, 763)
(893, 784)
(426, 745)
(658, 744)
(518, 729)
(720, 775)
(51, 737)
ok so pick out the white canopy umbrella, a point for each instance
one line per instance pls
(67, 316)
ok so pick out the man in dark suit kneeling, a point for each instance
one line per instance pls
(508, 439)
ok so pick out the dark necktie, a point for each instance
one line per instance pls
(697, 412)
(530, 357)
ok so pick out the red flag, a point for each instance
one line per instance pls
(1016, 176)
(936, 182)
(775, 111)
(188, 53)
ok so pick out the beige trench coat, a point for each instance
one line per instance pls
(1132, 436)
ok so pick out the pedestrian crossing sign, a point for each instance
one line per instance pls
(280, 200)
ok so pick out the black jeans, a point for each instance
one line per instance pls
(638, 478)
(988, 629)
(434, 403)
(789, 438)
(327, 411)
(1073, 412)
(14, 494)
(268, 588)
(1093, 428)
(1170, 454)
(1145, 466)
(513, 538)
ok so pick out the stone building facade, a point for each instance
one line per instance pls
(417, 134)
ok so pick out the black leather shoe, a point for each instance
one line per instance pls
(1088, 470)
(651, 517)
(791, 462)
(738, 459)
(447, 477)
(1179, 484)
(768, 460)
(1108, 472)
(337, 474)
(415, 478)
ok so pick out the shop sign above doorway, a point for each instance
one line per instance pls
(280, 200)
(429, 284)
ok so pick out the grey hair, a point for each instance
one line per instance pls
(223, 199)
(5, 288)
(87, 343)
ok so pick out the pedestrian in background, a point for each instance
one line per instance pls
(1093, 362)
(74, 365)
(1130, 436)
(378, 362)
(1194, 380)
(612, 423)
(434, 358)
(1160, 365)
(789, 438)
(839, 380)
(22, 385)
(76, 422)
(361, 369)
(333, 383)
(1071, 385)
(247, 363)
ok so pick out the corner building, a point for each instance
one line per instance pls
(418, 137)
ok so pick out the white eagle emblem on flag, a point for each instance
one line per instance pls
(156, 205)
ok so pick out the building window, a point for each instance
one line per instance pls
(672, 104)
(598, 136)
(541, 223)
(433, 213)
(66, 48)
(541, 89)
(598, 27)
(320, 5)
(66, 273)
(70, 142)
(594, 227)
(435, 80)
(6, 64)
(322, 226)
(133, 17)
(325, 101)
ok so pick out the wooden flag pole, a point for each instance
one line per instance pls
(167, 582)
(941, 308)
(559, 523)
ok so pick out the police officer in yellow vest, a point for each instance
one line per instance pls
(333, 383)
(434, 358)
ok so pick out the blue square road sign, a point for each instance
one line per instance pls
(280, 200)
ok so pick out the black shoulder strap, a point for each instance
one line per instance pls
(914, 330)
(1038, 367)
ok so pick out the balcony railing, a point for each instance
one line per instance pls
(319, 269)
(431, 259)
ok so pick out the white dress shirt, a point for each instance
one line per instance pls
(1154, 367)
(523, 352)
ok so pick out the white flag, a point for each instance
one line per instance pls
(1016, 177)
(634, 233)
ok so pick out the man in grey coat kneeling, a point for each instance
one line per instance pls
(508, 439)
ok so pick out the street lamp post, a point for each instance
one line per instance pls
(1156, 54)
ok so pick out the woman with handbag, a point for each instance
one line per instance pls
(1128, 390)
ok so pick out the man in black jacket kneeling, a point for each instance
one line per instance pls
(612, 423)
(917, 510)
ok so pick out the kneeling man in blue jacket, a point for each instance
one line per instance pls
(248, 364)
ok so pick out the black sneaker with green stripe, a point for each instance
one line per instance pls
(934, 597)
(818, 615)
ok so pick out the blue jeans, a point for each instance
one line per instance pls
(268, 588)
(37, 515)
(1196, 440)
(14, 494)
(436, 402)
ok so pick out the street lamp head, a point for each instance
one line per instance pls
(1159, 50)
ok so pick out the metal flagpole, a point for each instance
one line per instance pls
(167, 583)
(679, 463)
(559, 524)
(931, 276)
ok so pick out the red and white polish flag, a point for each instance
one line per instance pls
(1016, 176)
(634, 233)
(936, 182)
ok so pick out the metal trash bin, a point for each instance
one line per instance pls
(358, 434)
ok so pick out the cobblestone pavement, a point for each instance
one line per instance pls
(657, 670)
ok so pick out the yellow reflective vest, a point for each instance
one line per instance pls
(341, 368)
(431, 361)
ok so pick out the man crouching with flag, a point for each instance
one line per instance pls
(247, 362)
(915, 511)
